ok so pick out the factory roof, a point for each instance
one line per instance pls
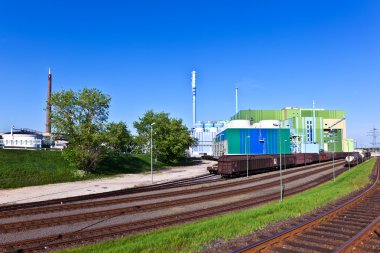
(23, 131)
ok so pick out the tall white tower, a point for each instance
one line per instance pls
(194, 96)
(314, 124)
(236, 100)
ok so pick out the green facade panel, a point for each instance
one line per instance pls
(350, 145)
(334, 141)
(257, 115)
(327, 114)
(233, 140)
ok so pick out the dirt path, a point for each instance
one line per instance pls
(70, 189)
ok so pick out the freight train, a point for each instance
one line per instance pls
(354, 158)
(241, 165)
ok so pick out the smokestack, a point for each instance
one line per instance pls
(236, 100)
(48, 106)
(194, 96)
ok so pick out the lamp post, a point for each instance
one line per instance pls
(221, 145)
(151, 150)
(281, 188)
(246, 151)
(304, 154)
(285, 141)
(333, 135)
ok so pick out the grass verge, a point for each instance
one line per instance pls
(19, 168)
(192, 236)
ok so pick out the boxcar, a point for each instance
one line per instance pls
(236, 165)
(309, 157)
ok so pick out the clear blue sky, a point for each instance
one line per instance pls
(141, 53)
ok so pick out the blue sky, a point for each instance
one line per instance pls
(141, 53)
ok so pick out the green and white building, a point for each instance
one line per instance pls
(310, 130)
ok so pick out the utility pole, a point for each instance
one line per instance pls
(374, 133)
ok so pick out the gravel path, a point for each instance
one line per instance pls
(63, 190)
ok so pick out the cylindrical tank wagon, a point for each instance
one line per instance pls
(355, 158)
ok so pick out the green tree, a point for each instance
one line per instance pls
(118, 137)
(171, 138)
(82, 117)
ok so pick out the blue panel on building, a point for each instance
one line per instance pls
(260, 141)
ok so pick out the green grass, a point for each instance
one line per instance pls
(192, 237)
(20, 168)
(115, 164)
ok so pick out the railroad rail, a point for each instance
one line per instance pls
(89, 235)
(202, 179)
(92, 215)
(61, 204)
(341, 229)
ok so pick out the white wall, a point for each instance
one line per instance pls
(22, 140)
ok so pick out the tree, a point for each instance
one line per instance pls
(118, 137)
(171, 138)
(82, 117)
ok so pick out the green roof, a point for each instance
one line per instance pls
(283, 114)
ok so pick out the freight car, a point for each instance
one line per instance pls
(236, 165)
(213, 169)
(241, 165)
(354, 158)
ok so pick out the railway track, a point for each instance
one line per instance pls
(351, 227)
(89, 235)
(202, 179)
(63, 206)
(92, 215)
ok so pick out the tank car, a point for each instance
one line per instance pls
(353, 159)
(367, 154)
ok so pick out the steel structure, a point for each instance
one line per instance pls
(374, 133)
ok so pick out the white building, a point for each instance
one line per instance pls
(22, 138)
(59, 144)
(205, 133)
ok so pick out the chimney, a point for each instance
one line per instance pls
(48, 106)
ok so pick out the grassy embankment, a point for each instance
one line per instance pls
(192, 236)
(20, 168)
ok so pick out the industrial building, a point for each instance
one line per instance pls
(205, 133)
(242, 137)
(289, 130)
(21, 139)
